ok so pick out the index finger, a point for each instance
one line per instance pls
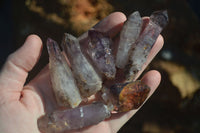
(111, 25)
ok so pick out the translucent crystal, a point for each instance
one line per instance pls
(128, 36)
(98, 49)
(86, 77)
(124, 97)
(62, 120)
(62, 80)
(90, 63)
(158, 20)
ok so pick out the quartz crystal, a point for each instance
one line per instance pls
(158, 20)
(124, 97)
(62, 120)
(62, 80)
(128, 36)
(98, 49)
(93, 66)
(86, 77)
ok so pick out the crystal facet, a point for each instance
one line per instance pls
(62, 80)
(76, 118)
(128, 36)
(91, 62)
(86, 77)
(126, 96)
(98, 49)
(145, 42)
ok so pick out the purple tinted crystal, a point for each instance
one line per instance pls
(60, 121)
(62, 79)
(128, 36)
(144, 44)
(100, 53)
(86, 77)
(160, 18)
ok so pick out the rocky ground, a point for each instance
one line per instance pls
(174, 106)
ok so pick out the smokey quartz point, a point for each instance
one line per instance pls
(128, 37)
(158, 20)
(62, 120)
(62, 80)
(98, 49)
(88, 81)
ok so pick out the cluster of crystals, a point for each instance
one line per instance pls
(91, 64)
(144, 43)
(88, 81)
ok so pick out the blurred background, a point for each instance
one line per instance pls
(175, 105)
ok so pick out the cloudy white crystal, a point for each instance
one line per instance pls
(88, 81)
(62, 80)
(128, 37)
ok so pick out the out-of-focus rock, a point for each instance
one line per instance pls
(150, 127)
(86, 13)
(180, 78)
(78, 15)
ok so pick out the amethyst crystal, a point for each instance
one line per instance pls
(128, 36)
(95, 56)
(62, 80)
(158, 20)
(98, 49)
(62, 120)
(86, 77)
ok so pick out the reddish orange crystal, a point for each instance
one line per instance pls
(133, 95)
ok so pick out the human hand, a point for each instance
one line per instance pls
(21, 105)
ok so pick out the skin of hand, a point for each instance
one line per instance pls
(21, 105)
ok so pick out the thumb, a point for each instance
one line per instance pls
(14, 72)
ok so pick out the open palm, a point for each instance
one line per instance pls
(21, 105)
